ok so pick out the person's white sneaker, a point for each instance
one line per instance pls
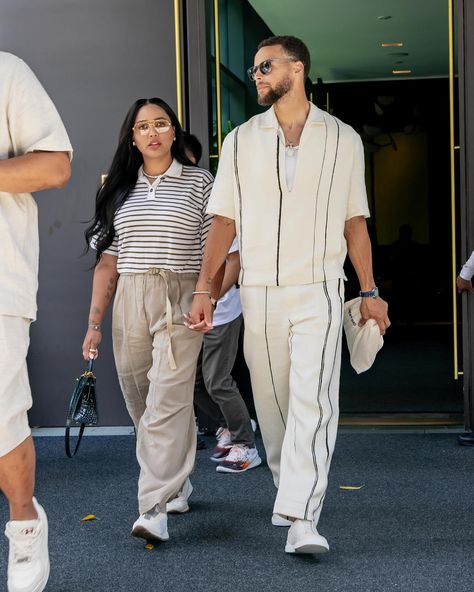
(223, 445)
(304, 538)
(239, 460)
(28, 561)
(152, 526)
(279, 520)
(179, 505)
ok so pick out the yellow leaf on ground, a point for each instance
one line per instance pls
(89, 517)
(351, 487)
(149, 547)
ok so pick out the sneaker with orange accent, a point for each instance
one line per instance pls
(223, 446)
(239, 459)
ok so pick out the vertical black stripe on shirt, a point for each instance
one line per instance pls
(279, 213)
(317, 196)
(328, 328)
(239, 192)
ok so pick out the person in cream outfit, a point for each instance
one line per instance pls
(290, 184)
(34, 154)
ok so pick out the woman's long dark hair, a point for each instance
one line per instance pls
(123, 175)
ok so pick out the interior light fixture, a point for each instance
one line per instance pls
(384, 18)
(401, 71)
(396, 44)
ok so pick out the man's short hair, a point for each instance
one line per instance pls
(294, 47)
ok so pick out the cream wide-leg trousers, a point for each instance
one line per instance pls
(155, 356)
(293, 349)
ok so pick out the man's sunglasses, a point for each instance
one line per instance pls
(265, 67)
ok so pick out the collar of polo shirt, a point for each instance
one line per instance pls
(269, 120)
(175, 170)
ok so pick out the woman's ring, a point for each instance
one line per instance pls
(91, 349)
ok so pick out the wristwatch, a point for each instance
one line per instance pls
(213, 301)
(370, 294)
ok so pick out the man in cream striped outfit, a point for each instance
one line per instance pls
(291, 185)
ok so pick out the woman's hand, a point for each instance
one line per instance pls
(90, 347)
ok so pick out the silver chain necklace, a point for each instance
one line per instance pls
(150, 176)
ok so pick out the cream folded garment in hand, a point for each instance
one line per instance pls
(363, 342)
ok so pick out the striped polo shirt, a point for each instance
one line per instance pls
(163, 225)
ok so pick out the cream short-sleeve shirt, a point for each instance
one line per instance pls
(28, 122)
(291, 237)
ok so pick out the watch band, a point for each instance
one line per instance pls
(213, 301)
(370, 293)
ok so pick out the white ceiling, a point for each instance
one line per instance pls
(345, 36)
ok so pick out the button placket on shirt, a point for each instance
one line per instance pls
(153, 188)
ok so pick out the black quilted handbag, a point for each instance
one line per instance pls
(82, 408)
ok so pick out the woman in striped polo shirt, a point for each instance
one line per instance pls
(149, 231)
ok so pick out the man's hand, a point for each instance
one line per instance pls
(464, 285)
(199, 317)
(377, 309)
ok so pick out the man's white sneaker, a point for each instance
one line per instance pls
(179, 505)
(152, 526)
(239, 459)
(279, 520)
(28, 561)
(304, 538)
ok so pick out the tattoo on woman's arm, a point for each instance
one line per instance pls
(110, 288)
(95, 310)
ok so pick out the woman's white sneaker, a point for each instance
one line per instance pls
(179, 505)
(152, 526)
(28, 561)
(304, 538)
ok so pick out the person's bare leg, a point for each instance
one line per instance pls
(17, 480)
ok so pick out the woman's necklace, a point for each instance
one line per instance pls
(150, 176)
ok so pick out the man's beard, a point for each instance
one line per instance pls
(275, 94)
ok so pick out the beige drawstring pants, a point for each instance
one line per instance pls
(155, 356)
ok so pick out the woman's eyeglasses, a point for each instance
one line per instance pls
(265, 67)
(160, 126)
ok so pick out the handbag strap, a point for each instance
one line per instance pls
(67, 440)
